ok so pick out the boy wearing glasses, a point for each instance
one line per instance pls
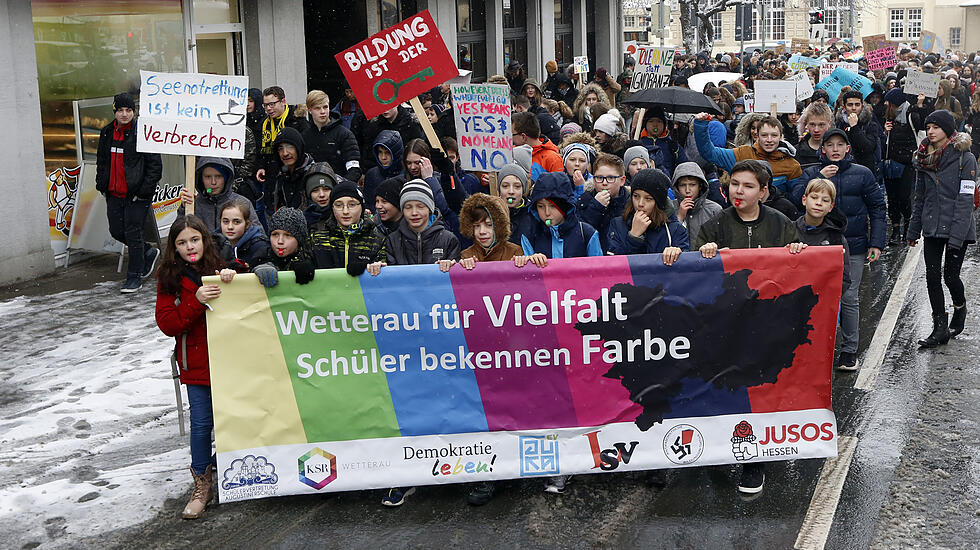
(279, 115)
(605, 196)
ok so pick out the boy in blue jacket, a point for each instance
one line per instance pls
(605, 196)
(555, 230)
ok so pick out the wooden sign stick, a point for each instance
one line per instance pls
(430, 132)
(189, 177)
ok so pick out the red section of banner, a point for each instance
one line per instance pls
(397, 64)
(806, 384)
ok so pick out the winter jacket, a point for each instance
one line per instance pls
(777, 201)
(545, 158)
(334, 246)
(520, 220)
(784, 166)
(346, 109)
(434, 243)
(805, 155)
(290, 189)
(570, 239)
(828, 233)
(391, 141)
(335, 145)
(653, 241)
(703, 210)
(973, 119)
(181, 315)
(593, 213)
(367, 133)
(208, 206)
(901, 141)
(554, 87)
(143, 170)
(943, 204)
(253, 249)
(864, 138)
(727, 229)
(503, 249)
(664, 152)
(859, 197)
(246, 166)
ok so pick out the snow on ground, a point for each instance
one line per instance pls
(89, 438)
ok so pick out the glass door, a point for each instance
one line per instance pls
(218, 47)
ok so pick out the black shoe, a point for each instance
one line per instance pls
(657, 478)
(396, 496)
(957, 322)
(481, 493)
(132, 284)
(896, 236)
(150, 261)
(940, 332)
(753, 479)
(847, 361)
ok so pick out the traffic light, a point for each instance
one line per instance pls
(816, 24)
(816, 17)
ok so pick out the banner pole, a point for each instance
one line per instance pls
(494, 188)
(189, 186)
(430, 132)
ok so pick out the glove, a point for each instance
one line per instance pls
(355, 269)
(442, 163)
(304, 272)
(268, 275)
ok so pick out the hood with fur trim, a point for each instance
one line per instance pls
(499, 215)
(743, 134)
(863, 117)
(591, 87)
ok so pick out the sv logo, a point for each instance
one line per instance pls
(609, 459)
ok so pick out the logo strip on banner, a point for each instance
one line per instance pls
(415, 352)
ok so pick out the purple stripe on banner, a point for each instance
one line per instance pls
(598, 399)
(524, 397)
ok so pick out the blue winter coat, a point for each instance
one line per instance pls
(654, 240)
(859, 197)
(593, 213)
(664, 153)
(391, 141)
(573, 238)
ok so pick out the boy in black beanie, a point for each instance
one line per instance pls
(290, 249)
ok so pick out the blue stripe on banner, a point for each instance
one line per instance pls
(451, 397)
(690, 277)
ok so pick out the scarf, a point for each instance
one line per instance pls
(270, 130)
(117, 168)
(930, 161)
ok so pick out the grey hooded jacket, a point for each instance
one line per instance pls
(943, 205)
(704, 209)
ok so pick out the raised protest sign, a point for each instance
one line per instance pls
(882, 58)
(928, 41)
(483, 125)
(749, 100)
(801, 63)
(827, 67)
(397, 64)
(834, 83)
(581, 63)
(418, 377)
(804, 88)
(653, 66)
(877, 42)
(698, 81)
(781, 93)
(799, 45)
(192, 114)
(918, 82)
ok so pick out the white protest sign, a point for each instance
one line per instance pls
(653, 66)
(918, 82)
(192, 114)
(826, 68)
(698, 81)
(749, 100)
(581, 64)
(782, 93)
(804, 88)
(483, 126)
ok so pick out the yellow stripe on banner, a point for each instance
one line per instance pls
(247, 361)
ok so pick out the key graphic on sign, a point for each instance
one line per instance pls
(420, 76)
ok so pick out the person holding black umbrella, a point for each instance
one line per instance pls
(664, 151)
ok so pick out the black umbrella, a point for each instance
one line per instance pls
(673, 99)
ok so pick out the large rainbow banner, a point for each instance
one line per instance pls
(588, 365)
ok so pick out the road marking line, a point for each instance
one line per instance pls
(875, 354)
(823, 506)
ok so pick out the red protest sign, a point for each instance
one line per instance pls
(397, 64)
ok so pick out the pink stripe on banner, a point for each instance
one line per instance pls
(525, 398)
(598, 400)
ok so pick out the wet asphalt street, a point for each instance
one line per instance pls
(912, 480)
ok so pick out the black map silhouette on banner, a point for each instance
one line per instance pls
(737, 341)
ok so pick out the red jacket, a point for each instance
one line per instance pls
(184, 320)
(547, 156)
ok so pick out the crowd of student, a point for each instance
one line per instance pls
(324, 187)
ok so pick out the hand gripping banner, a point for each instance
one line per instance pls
(589, 365)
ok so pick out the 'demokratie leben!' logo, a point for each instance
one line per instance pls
(250, 476)
(453, 460)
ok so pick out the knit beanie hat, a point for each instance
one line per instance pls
(652, 181)
(522, 157)
(607, 124)
(292, 221)
(390, 190)
(588, 150)
(417, 190)
(346, 189)
(320, 174)
(895, 96)
(570, 128)
(124, 99)
(943, 119)
(636, 152)
(551, 67)
(512, 169)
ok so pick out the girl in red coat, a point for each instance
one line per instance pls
(181, 302)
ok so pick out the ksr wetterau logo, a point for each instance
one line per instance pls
(610, 459)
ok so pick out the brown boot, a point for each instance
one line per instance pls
(201, 496)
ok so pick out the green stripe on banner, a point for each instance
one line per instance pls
(351, 405)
